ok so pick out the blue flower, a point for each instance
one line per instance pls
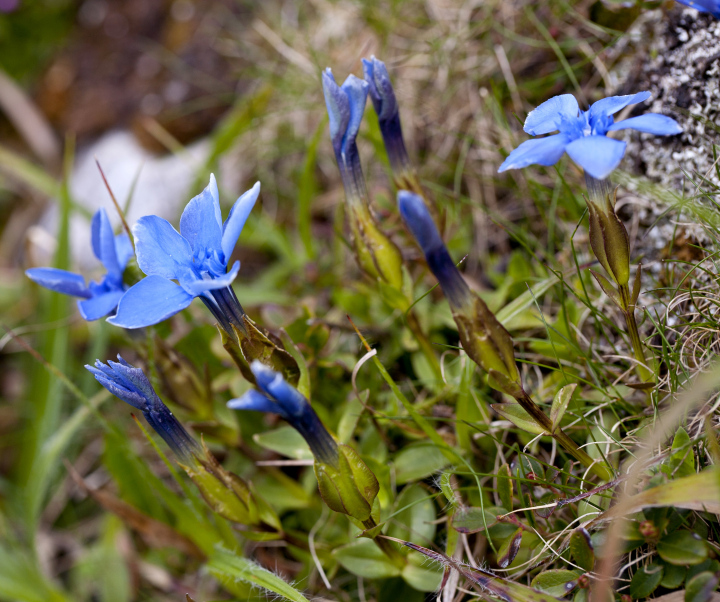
(189, 264)
(386, 106)
(99, 298)
(416, 216)
(278, 397)
(583, 134)
(345, 106)
(132, 386)
(704, 6)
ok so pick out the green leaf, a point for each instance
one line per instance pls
(556, 582)
(414, 517)
(286, 441)
(701, 587)
(519, 417)
(350, 417)
(645, 581)
(504, 485)
(673, 576)
(682, 548)
(682, 462)
(420, 575)
(509, 549)
(473, 520)
(560, 404)
(581, 549)
(364, 559)
(608, 288)
(229, 564)
(417, 461)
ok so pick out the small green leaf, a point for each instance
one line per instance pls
(556, 582)
(682, 548)
(417, 461)
(682, 462)
(504, 485)
(581, 549)
(509, 549)
(519, 417)
(285, 441)
(645, 581)
(229, 564)
(701, 587)
(473, 520)
(608, 288)
(560, 404)
(414, 517)
(673, 576)
(364, 559)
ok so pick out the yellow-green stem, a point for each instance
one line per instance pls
(638, 352)
(425, 344)
(384, 544)
(598, 468)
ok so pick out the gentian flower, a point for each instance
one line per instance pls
(278, 397)
(583, 134)
(191, 263)
(376, 254)
(132, 386)
(704, 6)
(386, 106)
(346, 484)
(99, 298)
(484, 339)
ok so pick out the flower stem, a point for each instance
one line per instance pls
(598, 468)
(426, 346)
(384, 544)
(641, 367)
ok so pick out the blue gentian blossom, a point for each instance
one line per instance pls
(583, 134)
(345, 106)
(187, 264)
(383, 98)
(132, 386)
(276, 396)
(417, 218)
(97, 299)
(704, 6)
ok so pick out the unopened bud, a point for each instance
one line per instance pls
(649, 531)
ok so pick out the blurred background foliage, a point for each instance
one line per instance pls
(90, 511)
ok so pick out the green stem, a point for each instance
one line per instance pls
(424, 343)
(599, 468)
(641, 367)
(384, 544)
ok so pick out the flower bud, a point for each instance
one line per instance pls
(376, 254)
(346, 484)
(484, 339)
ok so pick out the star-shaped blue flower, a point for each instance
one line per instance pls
(132, 386)
(98, 299)
(704, 6)
(276, 396)
(583, 134)
(191, 263)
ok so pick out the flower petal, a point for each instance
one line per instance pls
(103, 243)
(254, 400)
(123, 249)
(201, 222)
(150, 301)
(613, 104)
(159, 247)
(196, 286)
(60, 281)
(236, 220)
(547, 117)
(651, 123)
(356, 90)
(597, 155)
(100, 305)
(704, 6)
(542, 151)
(338, 108)
(380, 88)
